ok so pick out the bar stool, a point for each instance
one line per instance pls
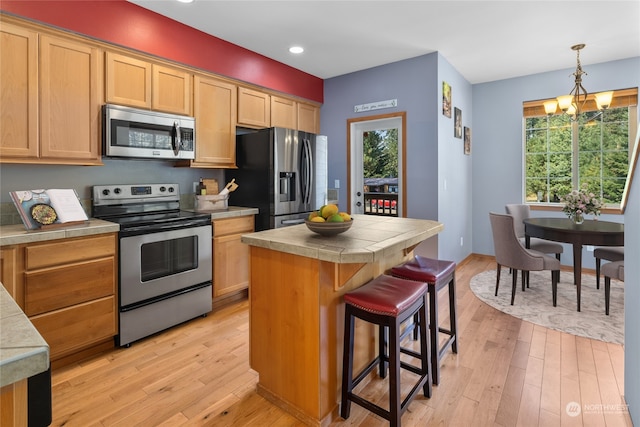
(386, 301)
(437, 274)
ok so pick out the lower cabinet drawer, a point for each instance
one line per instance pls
(73, 328)
(58, 287)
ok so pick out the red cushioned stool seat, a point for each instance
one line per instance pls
(438, 274)
(386, 301)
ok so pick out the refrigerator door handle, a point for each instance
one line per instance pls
(306, 169)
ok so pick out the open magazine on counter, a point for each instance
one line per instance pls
(48, 208)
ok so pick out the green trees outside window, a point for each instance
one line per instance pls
(561, 155)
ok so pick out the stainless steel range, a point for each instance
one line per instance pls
(165, 267)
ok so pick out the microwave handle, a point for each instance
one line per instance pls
(176, 140)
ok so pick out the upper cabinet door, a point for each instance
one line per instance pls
(171, 90)
(308, 118)
(283, 113)
(19, 92)
(214, 107)
(254, 108)
(128, 81)
(69, 99)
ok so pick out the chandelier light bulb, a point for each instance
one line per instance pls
(603, 100)
(550, 107)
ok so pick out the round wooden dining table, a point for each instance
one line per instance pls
(590, 232)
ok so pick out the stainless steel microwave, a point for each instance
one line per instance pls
(135, 133)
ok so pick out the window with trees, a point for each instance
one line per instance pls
(562, 153)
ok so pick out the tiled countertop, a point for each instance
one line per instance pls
(23, 351)
(17, 234)
(232, 212)
(366, 241)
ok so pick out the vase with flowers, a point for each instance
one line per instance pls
(580, 202)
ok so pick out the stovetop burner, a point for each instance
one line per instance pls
(139, 205)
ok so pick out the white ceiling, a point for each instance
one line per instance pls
(483, 40)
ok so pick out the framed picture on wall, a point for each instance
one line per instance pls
(446, 99)
(467, 140)
(457, 122)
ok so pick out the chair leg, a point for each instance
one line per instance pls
(607, 291)
(555, 274)
(395, 412)
(523, 279)
(347, 365)
(382, 343)
(598, 273)
(433, 334)
(513, 285)
(497, 279)
(453, 317)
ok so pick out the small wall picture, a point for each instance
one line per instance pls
(467, 140)
(457, 122)
(446, 99)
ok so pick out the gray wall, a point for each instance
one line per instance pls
(632, 300)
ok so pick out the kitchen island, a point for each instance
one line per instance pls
(296, 309)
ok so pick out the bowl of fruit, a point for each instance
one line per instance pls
(328, 221)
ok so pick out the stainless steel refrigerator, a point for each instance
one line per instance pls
(282, 172)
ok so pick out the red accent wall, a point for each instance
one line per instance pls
(129, 25)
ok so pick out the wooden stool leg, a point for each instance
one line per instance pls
(382, 351)
(425, 350)
(453, 318)
(433, 333)
(394, 374)
(347, 364)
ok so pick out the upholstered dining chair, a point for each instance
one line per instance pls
(511, 253)
(611, 270)
(520, 212)
(609, 253)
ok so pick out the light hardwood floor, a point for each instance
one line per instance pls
(508, 372)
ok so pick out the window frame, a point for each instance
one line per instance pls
(622, 98)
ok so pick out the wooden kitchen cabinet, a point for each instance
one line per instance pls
(70, 292)
(214, 107)
(139, 83)
(19, 92)
(171, 90)
(230, 256)
(283, 113)
(50, 96)
(308, 118)
(11, 268)
(254, 108)
(128, 81)
(290, 114)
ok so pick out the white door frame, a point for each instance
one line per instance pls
(355, 129)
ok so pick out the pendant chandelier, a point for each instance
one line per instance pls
(573, 103)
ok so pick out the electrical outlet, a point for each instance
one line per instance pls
(461, 241)
(589, 248)
(336, 183)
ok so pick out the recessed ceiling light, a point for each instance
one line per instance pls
(296, 49)
(185, 1)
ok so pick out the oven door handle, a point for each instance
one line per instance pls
(163, 227)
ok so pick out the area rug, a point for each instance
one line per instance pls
(535, 305)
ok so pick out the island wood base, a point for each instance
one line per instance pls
(296, 328)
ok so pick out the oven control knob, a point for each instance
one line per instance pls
(163, 189)
(106, 192)
(171, 190)
(117, 190)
